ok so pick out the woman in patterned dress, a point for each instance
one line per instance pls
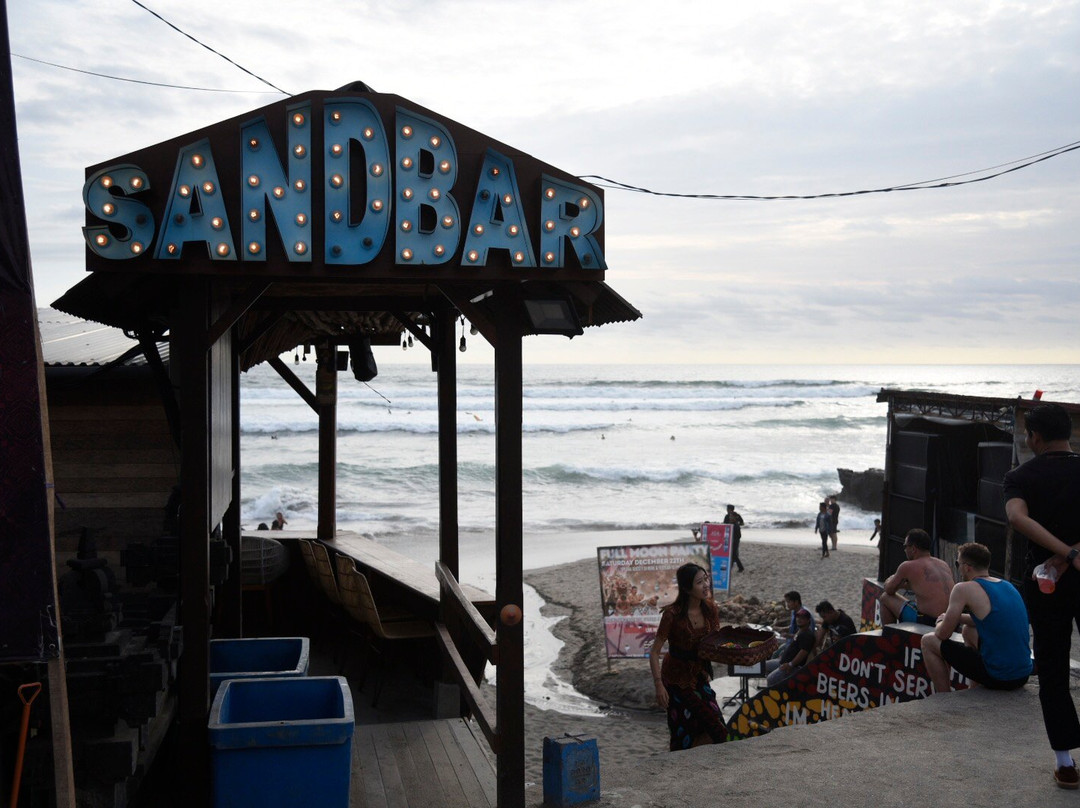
(682, 682)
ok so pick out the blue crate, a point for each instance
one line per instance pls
(257, 657)
(571, 771)
(282, 742)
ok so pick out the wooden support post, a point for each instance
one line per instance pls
(326, 398)
(448, 456)
(510, 673)
(230, 595)
(191, 361)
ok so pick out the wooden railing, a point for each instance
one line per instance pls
(458, 611)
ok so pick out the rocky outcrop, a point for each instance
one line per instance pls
(863, 489)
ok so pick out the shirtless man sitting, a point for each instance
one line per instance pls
(928, 577)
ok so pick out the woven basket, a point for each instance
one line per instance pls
(712, 645)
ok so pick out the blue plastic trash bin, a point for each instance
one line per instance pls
(257, 657)
(282, 742)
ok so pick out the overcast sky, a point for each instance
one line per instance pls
(709, 97)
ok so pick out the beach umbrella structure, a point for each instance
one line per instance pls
(340, 220)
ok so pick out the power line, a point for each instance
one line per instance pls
(924, 185)
(134, 81)
(203, 44)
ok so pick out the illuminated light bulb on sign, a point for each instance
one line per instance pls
(444, 166)
(406, 225)
(407, 193)
(254, 248)
(368, 133)
(406, 132)
(434, 194)
(136, 183)
(101, 240)
(336, 150)
(253, 144)
(106, 181)
(208, 187)
(335, 117)
(407, 254)
(253, 181)
(440, 250)
(217, 223)
(300, 186)
(222, 249)
(298, 119)
(376, 205)
(278, 192)
(108, 208)
(406, 163)
(197, 160)
(136, 247)
(300, 248)
(301, 219)
(435, 141)
(337, 180)
(299, 150)
(184, 191)
(254, 215)
(376, 169)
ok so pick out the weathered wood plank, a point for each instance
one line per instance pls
(116, 483)
(107, 413)
(393, 788)
(472, 767)
(366, 788)
(163, 454)
(453, 763)
(429, 789)
(92, 466)
(411, 780)
(155, 499)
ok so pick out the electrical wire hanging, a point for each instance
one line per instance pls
(924, 185)
(203, 44)
(139, 81)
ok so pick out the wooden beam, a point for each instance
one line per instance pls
(482, 634)
(478, 704)
(190, 360)
(293, 382)
(244, 301)
(414, 329)
(326, 406)
(448, 446)
(510, 674)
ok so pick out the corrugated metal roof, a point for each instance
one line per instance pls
(68, 341)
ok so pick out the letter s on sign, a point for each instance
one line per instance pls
(105, 195)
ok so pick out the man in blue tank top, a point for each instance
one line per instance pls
(993, 620)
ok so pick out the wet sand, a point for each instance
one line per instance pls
(631, 725)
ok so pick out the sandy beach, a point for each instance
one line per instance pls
(630, 725)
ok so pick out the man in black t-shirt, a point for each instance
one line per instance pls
(1041, 502)
(797, 652)
(835, 623)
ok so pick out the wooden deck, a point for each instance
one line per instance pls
(420, 764)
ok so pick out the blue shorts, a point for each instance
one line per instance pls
(909, 614)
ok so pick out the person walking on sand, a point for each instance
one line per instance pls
(683, 680)
(736, 521)
(821, 527)
(834, 520)
(1041, 497)
(928, 577)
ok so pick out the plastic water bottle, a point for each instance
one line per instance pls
(1046, 577)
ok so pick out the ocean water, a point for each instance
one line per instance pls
(604, 447)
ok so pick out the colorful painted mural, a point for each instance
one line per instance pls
(856, 673)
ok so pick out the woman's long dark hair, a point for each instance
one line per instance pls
(685, 576)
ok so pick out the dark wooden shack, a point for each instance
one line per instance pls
(945, 458)
(335, 220)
